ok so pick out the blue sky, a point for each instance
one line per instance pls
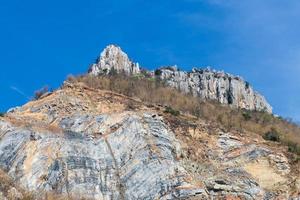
(41, 42)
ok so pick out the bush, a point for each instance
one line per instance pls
(112, 72)
(246, 115)
(272, 135)
(145, 73)
(2, 114)
(39, 93)
(172, 111)
(293, 147)
(247, 85)
(158, 72)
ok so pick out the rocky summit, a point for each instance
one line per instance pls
(205, 83)
(113, 58)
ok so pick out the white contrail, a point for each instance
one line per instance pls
(19, 92)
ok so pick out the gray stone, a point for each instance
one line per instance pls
(136, 160)
(113, 58)
(215, 85)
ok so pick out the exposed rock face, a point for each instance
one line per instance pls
(203, 83)
(113, 58)
(133, 158)
(94, 155)
(213, 85)
(84, 143)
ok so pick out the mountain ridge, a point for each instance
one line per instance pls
(204, 83)
(118, 135)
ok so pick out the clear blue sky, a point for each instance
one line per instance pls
(41, 42)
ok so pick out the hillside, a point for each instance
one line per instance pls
(128, 134)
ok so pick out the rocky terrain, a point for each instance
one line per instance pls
(80, 142)
(85, 143)
(203, 83)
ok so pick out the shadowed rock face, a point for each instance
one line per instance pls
(203, 83)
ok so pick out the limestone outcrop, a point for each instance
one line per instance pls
(209, 84)
(111, 59)
(80, 142)
(64, 145)
(205, 83)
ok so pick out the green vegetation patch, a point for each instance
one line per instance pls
(272, 135)
(172, 111)
(293, 147)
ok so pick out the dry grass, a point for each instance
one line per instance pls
(6, 185)
(34, 124)
(154, 91)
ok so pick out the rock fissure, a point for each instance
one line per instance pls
(119, 181)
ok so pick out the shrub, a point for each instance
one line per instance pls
(247, 85)
(145, 73)
(246, 115)
(39, 93)
(2, 114)
(158, 72)
(293, 147)
(112, 72)
(172, 111)
(272, 135)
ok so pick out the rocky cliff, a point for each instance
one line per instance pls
(205, 83)
(79, 142)
(215, 85)
(84, 144)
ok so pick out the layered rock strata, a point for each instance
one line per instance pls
(215, 85)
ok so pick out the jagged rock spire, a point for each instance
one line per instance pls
(113, 58)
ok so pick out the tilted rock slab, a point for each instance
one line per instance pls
(118, 156)
(81, 142)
